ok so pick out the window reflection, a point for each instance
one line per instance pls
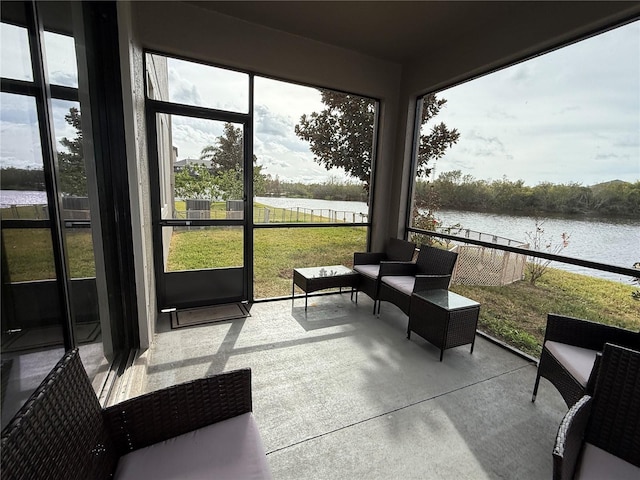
(61, 60)
(14, 53)
(192, 83)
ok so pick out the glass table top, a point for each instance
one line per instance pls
(447, 300)
(321, 272)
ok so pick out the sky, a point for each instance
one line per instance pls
(572, 115)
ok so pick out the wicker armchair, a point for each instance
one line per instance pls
(599, 436)
(63, 433)
(569, 353)
(398, 281)
(367, 264)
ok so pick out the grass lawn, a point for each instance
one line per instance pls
(517, 313)
(514, 313)
(279, 251)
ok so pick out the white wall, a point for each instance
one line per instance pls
(132, 72)
(185, 30)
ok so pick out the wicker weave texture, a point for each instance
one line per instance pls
(579, 333)
(167, 413)
(615, 416)
(610, 419)
(395, 250)
(568, 445)
(551, 369)
(430, 261)
(59, 433)
(444, 329)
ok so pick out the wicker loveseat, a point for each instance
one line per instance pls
(367, 264)
(569, 353)
(199, 429)
(599, 436)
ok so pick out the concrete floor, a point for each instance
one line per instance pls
(341, 394)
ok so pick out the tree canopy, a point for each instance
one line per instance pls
(72, 174)
(226, 154)
(341, 135)
(224, 178)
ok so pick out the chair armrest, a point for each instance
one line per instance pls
(569, 439)
(167, 413)
(368, 258)
(593, 376)
(396, 268)
(587, 334)
(430, 282)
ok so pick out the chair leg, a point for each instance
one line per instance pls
(374, 306)
(535, 388)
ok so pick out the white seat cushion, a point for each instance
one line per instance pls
(596, 464)
(577, 360)
(401, 283)
(231, 449)
(368, 270)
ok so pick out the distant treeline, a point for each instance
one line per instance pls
(12, 178)
(331, 190)
(454, 191)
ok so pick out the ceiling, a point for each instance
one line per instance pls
(401, 32)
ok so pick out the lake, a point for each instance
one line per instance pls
(610, 241)
(22, 197)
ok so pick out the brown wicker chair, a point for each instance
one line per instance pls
(367, 264)
(599, 436)
(63, 433)
(398, 281)
(569, 353)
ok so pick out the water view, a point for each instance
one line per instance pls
(612, 241)
(22, 197)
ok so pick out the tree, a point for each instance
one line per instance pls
(195, 181)
(226, 158)
(73, 177)
(433, 145)
(342, 134)
(227, 153)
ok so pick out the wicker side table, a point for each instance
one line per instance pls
(443, 318)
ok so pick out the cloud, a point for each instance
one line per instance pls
(23, 150)
(568, 116)
(272, 124)
(182, 90)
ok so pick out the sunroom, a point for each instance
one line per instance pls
(145, 78)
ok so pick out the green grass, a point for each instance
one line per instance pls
(30, 254)
(514, 313)
(517, 313)
(214, 247)
(278, 251)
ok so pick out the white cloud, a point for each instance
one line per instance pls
(554, 118)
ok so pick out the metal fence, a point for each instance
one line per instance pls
(277, 215)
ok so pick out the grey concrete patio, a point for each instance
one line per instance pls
(341, 394)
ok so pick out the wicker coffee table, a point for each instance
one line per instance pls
(443, 318)
(318, 278)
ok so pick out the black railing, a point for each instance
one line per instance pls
(605, 267)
